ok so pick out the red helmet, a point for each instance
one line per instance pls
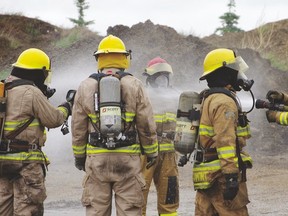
(157, 65)
(156, 61)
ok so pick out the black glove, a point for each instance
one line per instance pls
(150, 161)
(68, 106)
(232, 186)
(275, 96)
(80, 163)
(271, 115)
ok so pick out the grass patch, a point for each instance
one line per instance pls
(4, 74)
(69, 37)
(278, 63)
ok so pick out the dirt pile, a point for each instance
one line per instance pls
(74, 62)
(18, 33)
(147, 40)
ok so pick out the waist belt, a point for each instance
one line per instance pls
(168, 135)
(207, 156)
(102, 142)
(15, 146)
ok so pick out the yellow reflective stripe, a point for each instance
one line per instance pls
(201, 173)
(79, 150)
(151, 149)
(209, 166)
(94, 118)
(25, 156)
(243, 131)
(166, 117)
(202, 185)
(11, 125)
(226, 152)
(170, 116)
(283, 119)
(128, 116)
(245, 158)
(158, 118)
(64, 110)
(205, 130)
(166, 146)
(170, 214)
(133, 149)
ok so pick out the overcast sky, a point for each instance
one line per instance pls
(196, 17)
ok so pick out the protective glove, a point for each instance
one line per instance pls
(68, 106)
(275, 96)
(271, 115)
(80, 163)
(151, 161)
(232, 186)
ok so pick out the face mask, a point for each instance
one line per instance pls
(243, 81)
(161, 81)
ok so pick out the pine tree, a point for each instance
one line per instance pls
(81, 5)
(229, 20)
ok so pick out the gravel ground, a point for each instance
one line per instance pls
(267, 184)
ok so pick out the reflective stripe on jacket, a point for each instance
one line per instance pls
(166, 124)
(282, 118)
(138, 114)
(218, 129)
(23, 102)
(165, 104)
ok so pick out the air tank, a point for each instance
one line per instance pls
(187, 124)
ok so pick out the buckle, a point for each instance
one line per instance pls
(33, 147)
(111, 145)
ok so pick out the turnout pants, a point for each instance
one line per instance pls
(165, 177)
(113, 173)
(22, 189)
(210, 202)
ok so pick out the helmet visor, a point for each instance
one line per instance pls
(48, 77)
(239, 65)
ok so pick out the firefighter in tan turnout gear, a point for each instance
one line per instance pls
(280, 113)
(25, 113)
(165, 172)
(111, 124)
(219, 171)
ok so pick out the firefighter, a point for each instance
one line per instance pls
(219, 170)
(277, 97)
(111, 160)
(165, 172)
(28, 113)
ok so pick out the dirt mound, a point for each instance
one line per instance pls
(73, 60)
(147, 40)
(269, 40)
(20, 32)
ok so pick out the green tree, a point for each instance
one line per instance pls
(81, 5)
(229, 20)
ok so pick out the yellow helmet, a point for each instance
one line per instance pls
(111, 44)
(216, 59)
(33, 59)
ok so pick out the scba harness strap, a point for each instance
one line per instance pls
(9, 144)
(125, 138)
(242, 121)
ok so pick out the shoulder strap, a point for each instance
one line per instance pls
(97, 76)
(18, 130)
(122, 74)
(223, 91)
(18, 82)
(118, 74)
